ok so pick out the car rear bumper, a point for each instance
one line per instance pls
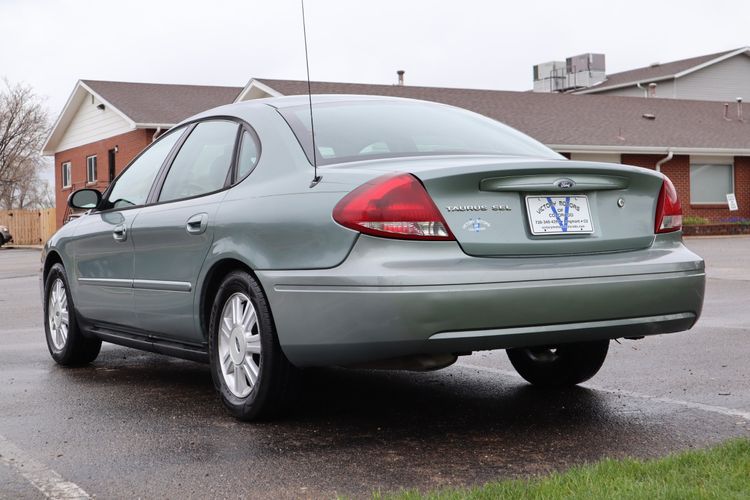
(397, 298)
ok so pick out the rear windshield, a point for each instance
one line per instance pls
(363, 130)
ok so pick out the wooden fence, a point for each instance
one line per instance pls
(29, 227)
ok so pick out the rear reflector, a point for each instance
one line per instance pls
(393, 206)
(668, 209)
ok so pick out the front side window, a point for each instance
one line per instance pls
(91, 169)
(203, 162)
(134, 184)
(710, 183)
(66, 179)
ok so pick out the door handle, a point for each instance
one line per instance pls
(197, 224)
(120, 233)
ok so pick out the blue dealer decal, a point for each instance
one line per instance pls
(476, 225)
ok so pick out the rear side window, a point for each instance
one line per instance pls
(133, 186)
(203, 162)
(248, 156)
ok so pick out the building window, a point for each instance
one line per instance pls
(91, 169)
(710, 183)
(66, 181)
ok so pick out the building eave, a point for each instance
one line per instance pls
(256, 84)
(658, 150)
(66, 115)
(680, 74)
(155, 125)
(712, 62)
(623, 85)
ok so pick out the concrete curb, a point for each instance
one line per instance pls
(22, 247)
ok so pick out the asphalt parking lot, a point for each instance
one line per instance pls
(135, 424)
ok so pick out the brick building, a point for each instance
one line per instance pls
(703, 146)
(104, 125)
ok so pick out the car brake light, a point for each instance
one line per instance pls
(668, 209)
(392, 206)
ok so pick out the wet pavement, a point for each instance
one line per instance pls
(141, 425)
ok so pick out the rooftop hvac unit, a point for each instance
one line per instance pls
(585, 62)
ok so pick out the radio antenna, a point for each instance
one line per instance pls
(316, 179)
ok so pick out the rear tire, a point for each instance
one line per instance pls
(559, 366)
(65, 341)
(248, 367)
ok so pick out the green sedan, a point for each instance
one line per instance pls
(402, 235)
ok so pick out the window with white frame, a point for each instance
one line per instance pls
(66, 179)
(710, 181)
(91, 169)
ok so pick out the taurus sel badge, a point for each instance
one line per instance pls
(565, 183)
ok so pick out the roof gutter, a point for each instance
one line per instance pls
(648, 150)
(670, 155)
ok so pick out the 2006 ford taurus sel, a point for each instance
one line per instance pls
(432, 232)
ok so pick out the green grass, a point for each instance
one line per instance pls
(718, 473)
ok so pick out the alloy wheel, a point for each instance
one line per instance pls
(58, 315)
(239, 345)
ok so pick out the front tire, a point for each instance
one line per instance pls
(65, 341)
(249, 370)
(564, 365)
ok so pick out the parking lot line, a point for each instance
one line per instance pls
(721, 410)
(50, 483)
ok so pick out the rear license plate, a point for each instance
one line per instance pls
(559, 214)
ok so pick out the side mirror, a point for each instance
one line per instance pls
(85, 199)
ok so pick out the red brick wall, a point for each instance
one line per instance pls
(678, 170)
(742, 186)
(128, 146)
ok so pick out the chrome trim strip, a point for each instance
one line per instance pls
(171, 286)
(120, 283)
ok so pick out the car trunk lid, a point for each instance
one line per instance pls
(504, 207)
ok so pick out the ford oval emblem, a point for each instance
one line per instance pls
(565, 183)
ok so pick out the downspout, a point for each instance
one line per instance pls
(156, 134)
(670, 155)
(645, 91)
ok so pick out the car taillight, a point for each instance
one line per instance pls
(668, 209)
(393, 206)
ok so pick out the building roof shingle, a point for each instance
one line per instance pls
(575, 120)
(156, 103)
(568, 122)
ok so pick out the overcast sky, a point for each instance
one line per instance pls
(50, 44)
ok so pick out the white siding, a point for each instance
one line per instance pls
(599, 157)
(724, 81)
(91, 124)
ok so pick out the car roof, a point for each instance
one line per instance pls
(240, 108)
(298, 100)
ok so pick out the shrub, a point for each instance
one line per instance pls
(694, 220)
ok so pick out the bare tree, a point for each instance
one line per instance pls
(23, 128)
